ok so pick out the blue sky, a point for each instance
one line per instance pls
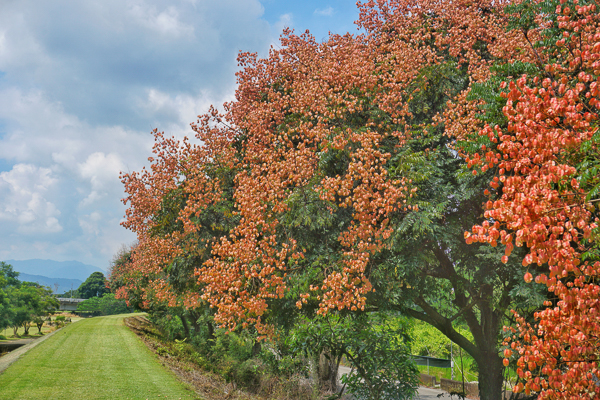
(83, 83)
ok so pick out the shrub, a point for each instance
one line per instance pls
(248, 373)
(60, 320)
(162, 351)
(169, 325)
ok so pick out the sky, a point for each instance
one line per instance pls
(82, 85)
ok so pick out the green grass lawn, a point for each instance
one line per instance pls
(96, 358)
(445, 373)
(33, 331)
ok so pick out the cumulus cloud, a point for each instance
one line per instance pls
(100, 58)
(166, 22)
(25, 209)
(82, 84)
(102, 172)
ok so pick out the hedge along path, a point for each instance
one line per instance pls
(96, 358)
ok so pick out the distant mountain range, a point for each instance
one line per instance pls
(58, 285)
(71, 270)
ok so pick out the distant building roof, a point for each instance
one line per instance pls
(70, 300)
(432, 361)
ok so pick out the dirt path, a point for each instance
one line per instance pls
(14, 355)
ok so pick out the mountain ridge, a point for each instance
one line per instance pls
(54, 269)
(57, 285)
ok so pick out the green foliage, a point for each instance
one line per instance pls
(428, 341)
(29, 303)
(247, 373)
(169, 324)
(8, 280)
(232, 345)
(489, 92)
(384, 368)
(105, 305)
(60, 320)
(94, 286)
(8, 276)
(376, 347)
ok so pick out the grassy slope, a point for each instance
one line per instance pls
(97, 358)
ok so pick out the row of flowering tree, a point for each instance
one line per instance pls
(340, 180)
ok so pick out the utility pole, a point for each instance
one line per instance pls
(451, 362)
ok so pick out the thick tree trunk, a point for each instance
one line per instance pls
(484, 350)
(335, 367)
(490, 376)
(328, 370)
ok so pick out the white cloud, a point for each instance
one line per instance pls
(24, 206)
(82, 84)
(325, 12)
(285, 21)
(166, 22)
(99, 59)
(102, 171)
(36, 126)
(89, 223)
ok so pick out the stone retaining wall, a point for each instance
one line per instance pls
(427, 380)
(471, 389)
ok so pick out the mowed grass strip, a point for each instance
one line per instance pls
(96, 358)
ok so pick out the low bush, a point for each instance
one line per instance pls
(248, 373)
(60, 320)
(270, 369)
(169, 325)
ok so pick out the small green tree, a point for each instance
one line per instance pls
(8, 278)
(94, 286)
(30, 303)
(376, 347)
(44, 306)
